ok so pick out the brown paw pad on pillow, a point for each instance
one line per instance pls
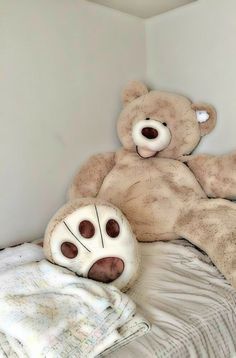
(95, 241)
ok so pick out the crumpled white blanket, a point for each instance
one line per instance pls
(47, 311)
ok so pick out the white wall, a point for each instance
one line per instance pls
(63, 64)
(192, 50)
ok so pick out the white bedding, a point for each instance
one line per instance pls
(191, 307)
(47, 311)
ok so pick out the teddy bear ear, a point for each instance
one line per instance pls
(206, 117)
(133, 90)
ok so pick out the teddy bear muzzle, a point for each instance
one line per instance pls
(150, 139)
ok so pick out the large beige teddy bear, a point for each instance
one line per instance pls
(162, 189)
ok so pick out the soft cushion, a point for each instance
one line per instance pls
(95, 241)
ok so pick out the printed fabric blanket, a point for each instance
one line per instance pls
(47, 311)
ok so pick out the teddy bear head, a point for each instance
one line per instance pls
(93, 239)
(163, 124)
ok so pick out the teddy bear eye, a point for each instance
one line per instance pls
(164, 124)
(147, 119)
(112, 228)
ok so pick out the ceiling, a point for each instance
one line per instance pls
(143, 8)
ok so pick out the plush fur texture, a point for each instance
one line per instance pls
(165, 195)
(216, 174)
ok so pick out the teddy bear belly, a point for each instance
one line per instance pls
(151, 203)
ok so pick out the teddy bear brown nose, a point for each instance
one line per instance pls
(106, 270)
(149, 132)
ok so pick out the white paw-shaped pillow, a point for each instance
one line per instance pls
(94, 240)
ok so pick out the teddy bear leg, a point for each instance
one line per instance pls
(211, 225)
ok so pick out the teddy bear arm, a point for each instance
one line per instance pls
(89, 179)
(216, 174)
(210, 225)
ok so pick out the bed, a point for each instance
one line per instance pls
(190, 305)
